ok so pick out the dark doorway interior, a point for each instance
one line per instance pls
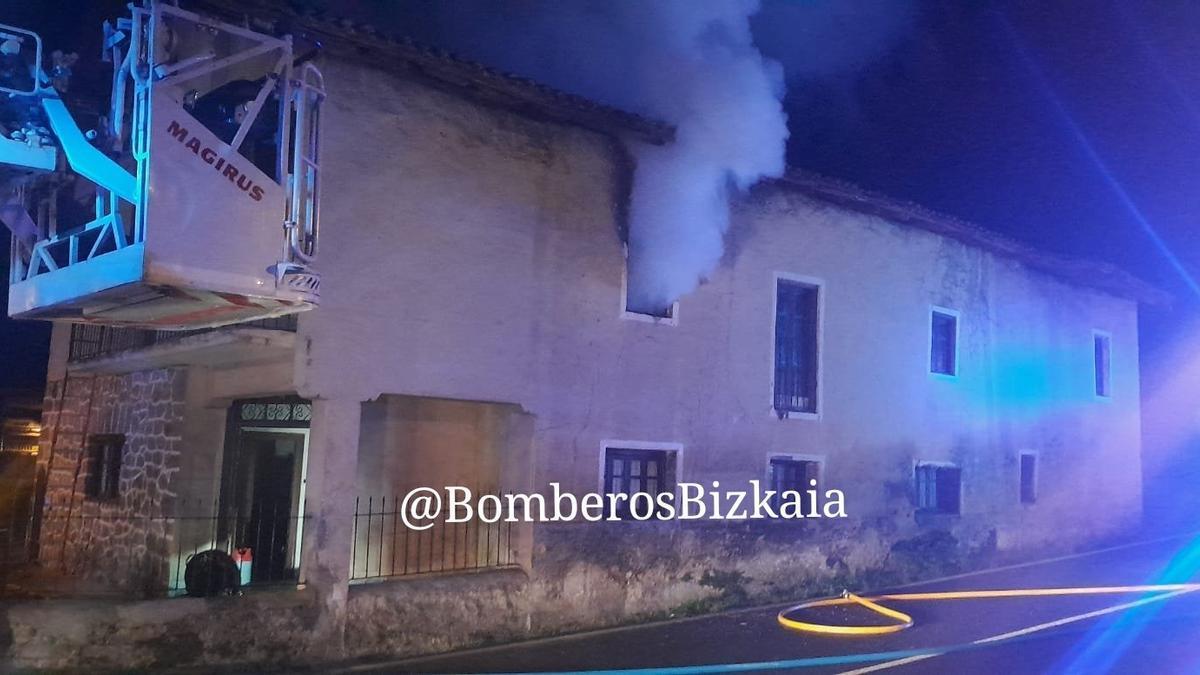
(268, 479)
(263, 486)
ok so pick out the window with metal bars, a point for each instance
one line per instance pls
(104, 466)
(1028, 478)
(629, 471)
(794, 474)
(796, 358)
(943, 348)
(939, 488)
(1101, 357)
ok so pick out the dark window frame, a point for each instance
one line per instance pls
(788, 472)
(104, 458)
(938, 488)
(1027, 468)
(943, 342)
(1102, 364)
(623, 465)
(796, 357)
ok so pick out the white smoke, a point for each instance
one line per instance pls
(705, 76)
(692, 63)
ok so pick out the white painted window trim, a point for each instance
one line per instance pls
(1108, 385)
(962, 484)
(821, 287)
(629, 315)
(937, 309)
(609, 444)
(1037, 471)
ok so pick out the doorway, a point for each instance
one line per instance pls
(262, 496)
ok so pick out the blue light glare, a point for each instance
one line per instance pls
(1107, 641)
(1024, 380)
(1085, 144)
(1030, 383)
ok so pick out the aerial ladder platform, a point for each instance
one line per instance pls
(192, 202)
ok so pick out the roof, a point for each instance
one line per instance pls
(1078, 271)
(344, 38)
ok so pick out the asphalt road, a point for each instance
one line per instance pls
(1098, 634)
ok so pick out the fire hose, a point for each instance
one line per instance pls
(874, 661)
(900, 620)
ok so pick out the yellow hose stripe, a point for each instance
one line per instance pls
(886, 611)
(906, 621)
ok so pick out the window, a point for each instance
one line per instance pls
(1028, 478)
(104, 465)
(1102, 348)
(632, 308)
(797, 313)
(939, 488)
(789, 473)
(943, 342)
(629, 471)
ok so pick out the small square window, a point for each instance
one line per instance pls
(794, 474)
(1102, 358)
(1028, 478)
(629, 471)
(939, 488)
(943, 348)
(104, 466)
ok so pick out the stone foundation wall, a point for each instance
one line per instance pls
(123, 542)
(602, 574)
(98, 635)
(585, 576)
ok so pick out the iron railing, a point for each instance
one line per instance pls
(90, 341)
(100, 547)
(797, 313)
(385, 547)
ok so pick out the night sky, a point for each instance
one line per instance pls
(956, 119)
(1071, 125)
(988, 111)
(1056, 123)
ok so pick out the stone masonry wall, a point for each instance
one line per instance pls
(588, 576)
(120, 543)
(593, 575)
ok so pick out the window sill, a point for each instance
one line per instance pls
(795, 415)
(935, 518)
(672, 320)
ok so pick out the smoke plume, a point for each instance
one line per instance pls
(692, 63)
(706, 76)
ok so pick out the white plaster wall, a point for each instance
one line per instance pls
(469, 253)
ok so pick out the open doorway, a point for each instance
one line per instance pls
(262, 496)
